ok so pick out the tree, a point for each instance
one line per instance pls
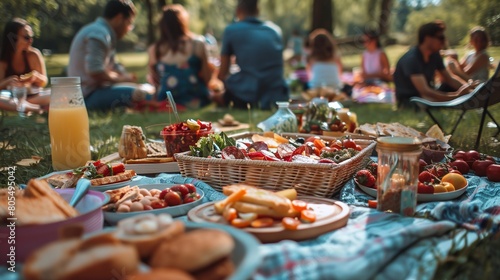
(385, 12)
(322, 15)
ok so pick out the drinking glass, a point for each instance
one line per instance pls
(19, 94)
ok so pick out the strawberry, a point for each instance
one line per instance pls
(191, 197)
(118, 168)
(425, 188)
(425, 177)
(365, 178)
(372, 167)
(104, 170)
(191, 188)
(182, 189)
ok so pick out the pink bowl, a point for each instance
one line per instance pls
(31, 237)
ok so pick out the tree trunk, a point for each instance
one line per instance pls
(385, 13)
(322, 15)
(151, 29)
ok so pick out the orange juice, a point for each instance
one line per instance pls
(69, 137)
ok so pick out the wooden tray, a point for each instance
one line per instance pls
(330, 215)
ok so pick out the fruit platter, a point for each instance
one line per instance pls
(438, 181)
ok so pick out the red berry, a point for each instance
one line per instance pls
(104, 170)
(173, 198)
(191, 197)
(365, 178)
(118, 168)
(425, 177)
(164, 192)
(191, 188)
(182, 189)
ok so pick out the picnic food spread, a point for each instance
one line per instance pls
(159, 247)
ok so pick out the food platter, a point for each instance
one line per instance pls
(100, 188)
(145, 168)
(175, 211)
(421, 197)
(330, 215)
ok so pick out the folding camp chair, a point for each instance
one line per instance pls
(483, 96)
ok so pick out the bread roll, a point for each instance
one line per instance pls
(99, 257)
(217, 271)
(194, 250)
(147, 239)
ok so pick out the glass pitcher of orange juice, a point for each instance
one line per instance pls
(68, 124)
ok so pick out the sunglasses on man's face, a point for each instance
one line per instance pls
(440, 37)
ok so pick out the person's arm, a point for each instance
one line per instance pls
(37, 64)
(386, 67)
(429, 93)
(452, 80)
(205, 71)
(5, 82)
(153, 77)
(95, 65)
(225, 62)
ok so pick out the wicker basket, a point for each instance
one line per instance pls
(320, 180)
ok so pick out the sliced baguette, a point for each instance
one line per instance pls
(39, 188)
(262, 197)
(124, 176)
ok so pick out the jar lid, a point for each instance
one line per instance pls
(282, 104)
(64, 80)
(399, 144)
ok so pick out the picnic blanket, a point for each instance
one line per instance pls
(375, 244)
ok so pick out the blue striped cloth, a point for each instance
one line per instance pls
(378, 245)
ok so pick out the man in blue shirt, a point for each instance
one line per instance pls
(415, 70)
(258, 49)
(105, 83)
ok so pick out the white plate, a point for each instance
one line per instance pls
(179, 210)
(100, 188)
(421, 197)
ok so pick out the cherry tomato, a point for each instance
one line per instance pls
(460, 165)
(425, 188)
(493, 172)
(307, 216)
(262, 222)
(480, 166)
(349, 143)
(299, 205)
(290, 223)
(336, 144)
(459, 155)
(472, 155)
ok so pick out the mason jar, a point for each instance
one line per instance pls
(397, 174)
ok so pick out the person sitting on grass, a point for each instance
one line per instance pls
(105, 83)
(375, 65)
(21, 65)
(323, 64)
(178, 61)
(415, 70)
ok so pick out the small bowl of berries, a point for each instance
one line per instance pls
(174, 199)
(179, 137)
